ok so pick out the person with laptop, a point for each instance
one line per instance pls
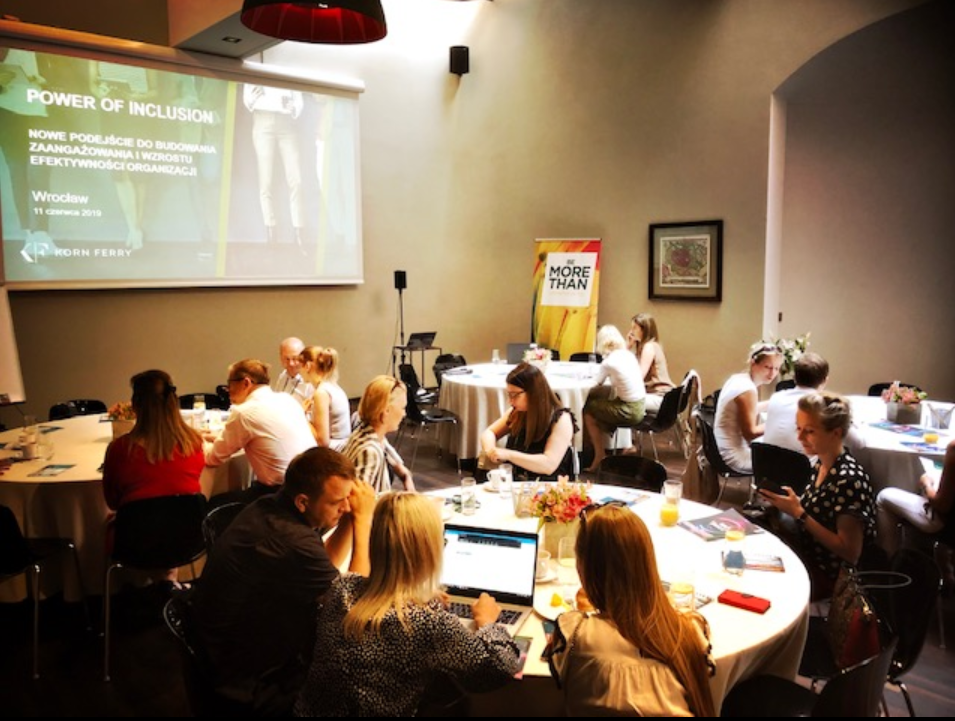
(635, 654)
(540, 431)
(381, 641)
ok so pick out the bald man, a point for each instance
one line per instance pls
(290, 379)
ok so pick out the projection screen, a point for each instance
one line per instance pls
(126, 165)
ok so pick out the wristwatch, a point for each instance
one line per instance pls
(801, 518)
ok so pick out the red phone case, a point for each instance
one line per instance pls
(744, 601)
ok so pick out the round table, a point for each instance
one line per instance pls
(70, 503)
(744, 643)
(893, 455)
(477, 395)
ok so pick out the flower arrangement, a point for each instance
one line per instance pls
(537, 356)
(791, 350)
(906, 395)
(121, 411)
(559, 502)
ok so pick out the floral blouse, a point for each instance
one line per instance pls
(386, 674)
(845, 490)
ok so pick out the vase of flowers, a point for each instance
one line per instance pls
(791, 350)
(539, 357)
(557, 507)
(903, 404)
(122, 417)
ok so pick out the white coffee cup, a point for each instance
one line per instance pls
(30, 450)
(494, 478)
(543, 563)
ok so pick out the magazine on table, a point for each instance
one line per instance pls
(711, 528)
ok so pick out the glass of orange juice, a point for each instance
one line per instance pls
(669, 514)
(930, 437)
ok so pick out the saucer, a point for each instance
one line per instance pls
(547, 577)
(487, 487)
(447, 512)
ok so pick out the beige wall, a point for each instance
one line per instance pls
(578, 118)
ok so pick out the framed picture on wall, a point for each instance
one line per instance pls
(686, 260)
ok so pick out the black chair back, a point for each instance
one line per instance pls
(711, 450)
(217, 520)
(876, 388)
(857, 691)
(785, 385)
(445, 362)
(909, 608)
(667, 415)
(585, 357)
(76, 407)
(163, 532)
(633, 472)
(212, 401)
(774, 466)
(15, 556)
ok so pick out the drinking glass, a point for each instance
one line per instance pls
(468, 496)
(567, 568)
(733, 559)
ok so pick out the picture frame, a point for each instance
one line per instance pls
(686, 261)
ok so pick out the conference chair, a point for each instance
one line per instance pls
(149, 535)
(876, 388)
(785, 385)
(217, 520)
(665, 419)
(446, 362)
(212, 400)
(585, 357)
(76, 407)
(856, 691)
(418, 419)
(409, 376)
(633, 472)
(26, 556)
(715, 460)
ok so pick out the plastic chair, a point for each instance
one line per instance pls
(780, 466)
(445, 362)
(585, 357)
(155, 533)
(217, 520)
(409, 377)
(21, 555)
(785, 385)
(856, 691)
(632, 472)
(419, 417)
(212, 401)
(76, 407)
(224, 401)
(713, 457)
(876, 388)
(665, 419)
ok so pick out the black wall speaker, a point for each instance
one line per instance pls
(460, 60)
(401, 280)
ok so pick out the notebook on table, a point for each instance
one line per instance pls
(420, 341)
(501, 563)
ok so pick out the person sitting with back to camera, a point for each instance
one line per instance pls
(835, 515)
(380, 412)
(624, 404)
(644, 340)
(634, 654)
(810, 371)
(736, 423)
(382, 640)
(330, 410)
(540, 431)
(161, 456)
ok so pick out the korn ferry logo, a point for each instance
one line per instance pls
(37, 246)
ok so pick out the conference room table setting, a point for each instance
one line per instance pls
(894, 454)
(745, 642)
(60, 494)
(477, 395)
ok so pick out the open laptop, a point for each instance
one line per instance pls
(501, 563)
(420, 341)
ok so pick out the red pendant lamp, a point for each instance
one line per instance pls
(339, 22)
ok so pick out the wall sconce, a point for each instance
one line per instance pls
(460, 60)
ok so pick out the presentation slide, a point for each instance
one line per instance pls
(120, 175)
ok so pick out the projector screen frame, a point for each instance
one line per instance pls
(100, 48)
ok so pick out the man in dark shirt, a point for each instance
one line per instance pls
(254, 607)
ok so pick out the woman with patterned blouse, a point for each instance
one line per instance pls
(382, 640)
(836, 513)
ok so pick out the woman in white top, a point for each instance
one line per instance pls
(625, 404)
(330, 411)
(737, 422)
(644, 340)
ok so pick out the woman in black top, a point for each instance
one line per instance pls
(540, 432)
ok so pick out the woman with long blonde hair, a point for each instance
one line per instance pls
(330, 412)
(382, 640)
(635, 654)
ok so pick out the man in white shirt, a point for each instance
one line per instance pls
(270, 427)
(290, 379)
(811, 374)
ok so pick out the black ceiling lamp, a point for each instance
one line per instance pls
(338, 22)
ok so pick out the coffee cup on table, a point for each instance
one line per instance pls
(543, 563)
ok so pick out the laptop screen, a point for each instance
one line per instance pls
(502, 563)
(421, 340)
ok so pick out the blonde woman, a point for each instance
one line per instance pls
(380, 412)
(644, 340)
(382, 640)
(634, 655)
(331, 414)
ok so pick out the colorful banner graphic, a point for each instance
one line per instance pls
(566, 284)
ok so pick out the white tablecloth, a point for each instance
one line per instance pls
(744, 643)
(71, 504)
(478, 398)
(884, 453)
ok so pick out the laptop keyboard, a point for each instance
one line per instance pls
(464, 611)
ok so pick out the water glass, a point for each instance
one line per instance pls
(683, 595)
(522, 495)
(673, 492)
(45, 448)
(495, 356)
(468, 496)
(507, 479)
(734, 561)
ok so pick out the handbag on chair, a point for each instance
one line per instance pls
(853, 624)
